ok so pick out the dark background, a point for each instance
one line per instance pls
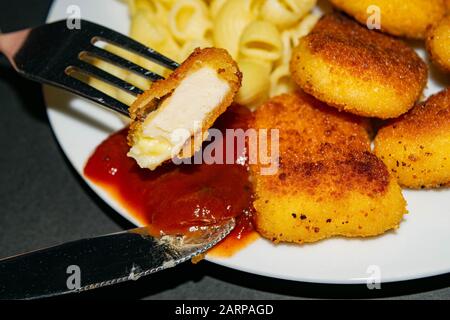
(44, 202)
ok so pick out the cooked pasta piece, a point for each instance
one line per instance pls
(286, 40)
(167, 3)
(231, 20)
(281, 81)
(291, 37)
(304, 28)
(261, 40)
(260, 34)
(189, 19)
(285, 13)
(191, 45)
(131, 6)
(154, 9)
(147, 31)
(155, 36)
(255, 83)
(215, 6)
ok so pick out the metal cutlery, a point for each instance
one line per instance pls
(52, 53)
(101, 261)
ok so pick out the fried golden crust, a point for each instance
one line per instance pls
(358, 70)
(218, 59)
(416, 146)
(438, 43)
(409, 18)
(328, 182)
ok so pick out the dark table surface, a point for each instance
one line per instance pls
(44, 202)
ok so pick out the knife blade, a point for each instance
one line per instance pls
(101, 261)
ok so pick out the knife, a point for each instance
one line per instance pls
(101, 261)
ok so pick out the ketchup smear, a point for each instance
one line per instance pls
(173, 198)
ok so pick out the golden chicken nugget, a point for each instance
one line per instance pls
(171, 118)
(438, 43)
(416, 147)
(358, 70)
(409, 18)
(328, 182)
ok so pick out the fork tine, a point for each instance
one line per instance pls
(30, 57)
(90, 70)
(123, 63)
(120, 40)
(79, 87)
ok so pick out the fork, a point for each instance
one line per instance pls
(52, 54)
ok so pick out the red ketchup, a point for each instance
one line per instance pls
(175, 198)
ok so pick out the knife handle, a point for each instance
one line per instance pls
(82, 265)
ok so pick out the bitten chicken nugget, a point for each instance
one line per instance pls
(328, 182)
(438, 43)
(409, 18)
(171, 118)
(358, 70)
(416, 147)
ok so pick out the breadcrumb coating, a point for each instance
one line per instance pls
(358, 70)
(409, 18)
(438, 43)
(217, 59)
(328, 183)
(416, 147)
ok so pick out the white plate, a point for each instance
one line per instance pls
(420, 248)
